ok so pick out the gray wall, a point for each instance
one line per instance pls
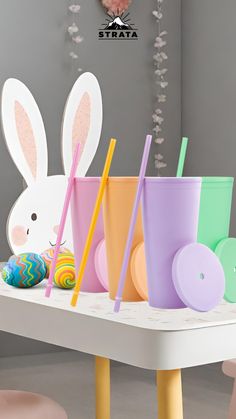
(33, 49)
(209, 87)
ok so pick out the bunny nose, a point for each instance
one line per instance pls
(55, 229)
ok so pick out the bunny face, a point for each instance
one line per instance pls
(34, 219)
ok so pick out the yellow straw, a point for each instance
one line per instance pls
(93, 221)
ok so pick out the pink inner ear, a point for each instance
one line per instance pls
(81, 123)
(26, 137)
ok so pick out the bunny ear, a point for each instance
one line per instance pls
(24, 131)
(82, 123)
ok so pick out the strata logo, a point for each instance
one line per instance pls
(118, 27)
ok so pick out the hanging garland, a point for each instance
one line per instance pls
(160, 60)
(73, 31)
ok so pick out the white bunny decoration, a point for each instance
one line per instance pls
(34, 218)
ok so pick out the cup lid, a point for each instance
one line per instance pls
(174, 179)
(100, 262)
(217, 179)
(226, 252)
(89, 179)
(198, 277)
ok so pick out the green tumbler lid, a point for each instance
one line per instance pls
(217, 182)
(226, 252)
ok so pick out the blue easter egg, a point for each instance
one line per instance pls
(24, 271)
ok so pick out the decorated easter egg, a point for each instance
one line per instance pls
(64, 276)
(48, 254)
(24, 271)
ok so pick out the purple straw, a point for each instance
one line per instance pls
(63, 219)
(132, 223)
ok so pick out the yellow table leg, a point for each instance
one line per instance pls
(169, 394)
(103, 393)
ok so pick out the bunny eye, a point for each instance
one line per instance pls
(27, 232)
(34, 216)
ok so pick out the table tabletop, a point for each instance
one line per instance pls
(139, 335)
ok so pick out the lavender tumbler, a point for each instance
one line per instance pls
(170, 220)
(82, 205)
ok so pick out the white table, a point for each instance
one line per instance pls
(162, 340)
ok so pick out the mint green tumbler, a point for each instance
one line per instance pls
(215, 210)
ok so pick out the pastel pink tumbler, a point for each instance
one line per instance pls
(170, 221)
(82, 205)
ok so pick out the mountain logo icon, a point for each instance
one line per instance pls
(118, 26)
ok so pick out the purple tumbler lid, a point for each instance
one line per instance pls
(173, 180)
(198, 277)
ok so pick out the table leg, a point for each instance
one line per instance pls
(169, 394)
(102, 374)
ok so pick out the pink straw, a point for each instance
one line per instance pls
(132, 223)
(63, 219)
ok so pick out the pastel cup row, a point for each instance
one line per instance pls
(170, 212)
